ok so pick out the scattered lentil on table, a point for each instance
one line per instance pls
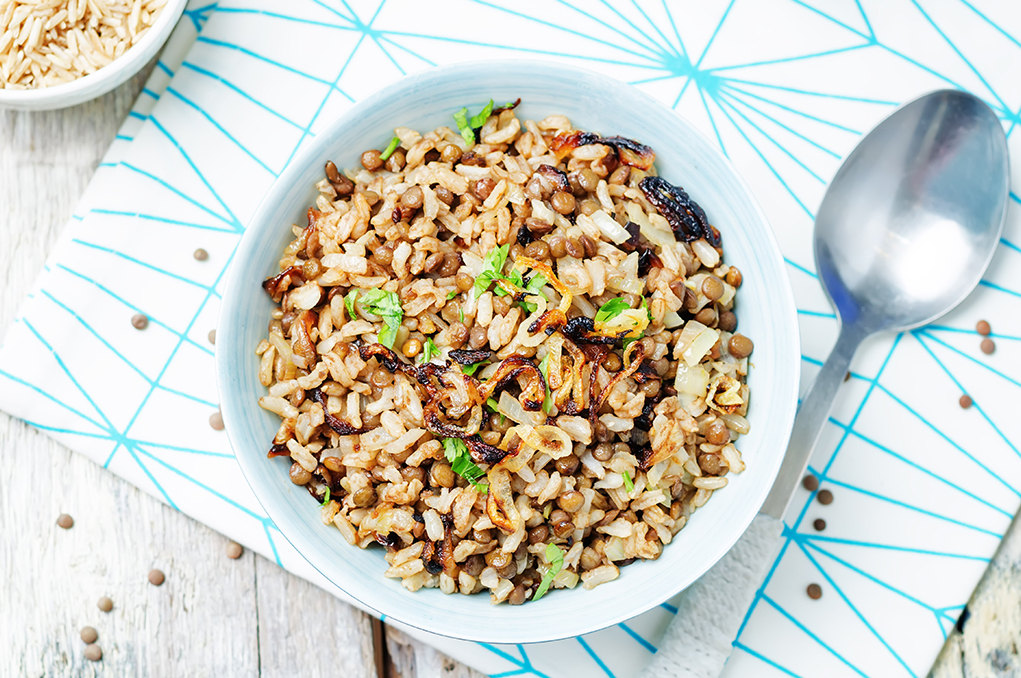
(987, 346)
(93, 653)
(139, 321)
(234, 550)
(105, 604)
(983, 328)
(810, 483)
(814, 591)
(156, 577)
(965, 401)
(201, 254)
(65, 521)
(212, 336)
(825, 497)
(89, 635)
(819, 524)
(216, 421)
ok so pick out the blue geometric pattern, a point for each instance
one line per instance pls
(923, 489)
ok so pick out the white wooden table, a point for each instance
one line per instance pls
(214, 616)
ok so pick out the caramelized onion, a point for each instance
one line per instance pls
(684, 215)
(627, 151)
(278, 451)
(558, 177)
(534, 391)
(301, 338)
(577, 393)
(549, 440)
(500, 504)
(333, 421)
(633, 357)
(278, 284)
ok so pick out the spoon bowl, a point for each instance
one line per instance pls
(911, 219)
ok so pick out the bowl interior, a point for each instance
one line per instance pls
(765, 311)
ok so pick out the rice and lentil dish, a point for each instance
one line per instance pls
(507, 355)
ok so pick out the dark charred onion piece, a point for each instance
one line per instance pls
(581, 329)
(524, 236)
(565, 142)
(390, 540)
(558, 177)
(535, 390)
(484, 453)
(278, 284)
(511, 107)
(633, 357)
(646, 260)
(630, 152)
(685, 217)
(333, 421)
(278, 451)
(549, 322)
(467, 357)
(645, 373)
(644, 420)
(301, 331)
(437, 423)
(384, 355)
(594, 353)
(634, 230)
(430, 557)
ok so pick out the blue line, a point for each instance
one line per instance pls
(641, 641)
(229, 85)
(999, 288)
(728, 84)
(254, 55)
(971, 358)
(737, 99)
(60, 403)
(817, 314)
(760, 657)
(595, 657)
(139, 262)
(782, 60)
(817, 639)
(284, 17)
(272, 543)
(713, 36)
(177, 192)
(891, 547)
(162, 220)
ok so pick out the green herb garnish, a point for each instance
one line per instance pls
(555, 556)
(547, 403)
(349, 303)
(466, 126)
(492, 268)
(611, 309)
(429, 350)
(460, 461)
(493, 406)
(386, 305)
(628, 485)
(546, 511)
(390, 148)
(460, 314)
(534, 286)
(326, 497)
(473, 368)
(451, 294)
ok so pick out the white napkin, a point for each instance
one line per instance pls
(923, 488)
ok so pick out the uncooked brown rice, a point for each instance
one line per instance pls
(515, 432)
(51, 42)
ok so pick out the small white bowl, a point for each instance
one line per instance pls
(105, 79)
(765, 310)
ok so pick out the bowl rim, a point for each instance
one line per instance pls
(783, 298)
(43, 96)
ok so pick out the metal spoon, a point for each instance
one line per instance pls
(904, 233)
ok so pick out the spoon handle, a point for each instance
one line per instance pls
(812, 416)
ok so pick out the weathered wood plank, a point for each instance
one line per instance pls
(213, 616)
(411, 658)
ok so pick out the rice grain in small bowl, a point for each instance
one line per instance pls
(420, 419)
(59, 53)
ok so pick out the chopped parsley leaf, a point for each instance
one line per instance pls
(492, 268)
(461, 118)
(546, 511)
(326, 497)
(473, 368)
(429, 350)
(547, 403)
(493, 406)
(460, 314)
(390, 148)
(457, 454)
(611, 309)
(479, 119)
(451, 294)
(534, 286)
(349, 303)
(386, 305)
(555, 556)
(628, 485)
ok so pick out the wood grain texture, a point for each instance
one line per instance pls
(411, 658)
(213, 616)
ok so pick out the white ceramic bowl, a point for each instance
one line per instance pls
(765, 310)
(106, 78)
